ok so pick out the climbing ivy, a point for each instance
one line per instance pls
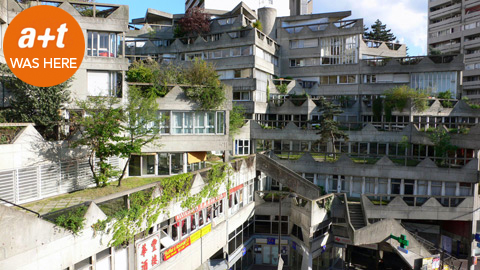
(145, 210)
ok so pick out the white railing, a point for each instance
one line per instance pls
(32, 183)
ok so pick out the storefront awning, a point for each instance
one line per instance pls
(195, 157)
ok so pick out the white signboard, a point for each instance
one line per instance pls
(148, 253)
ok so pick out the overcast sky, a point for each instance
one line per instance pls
(406, 18)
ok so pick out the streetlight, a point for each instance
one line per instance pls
(291, 195)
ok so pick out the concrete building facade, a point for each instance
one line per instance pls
(287, 195)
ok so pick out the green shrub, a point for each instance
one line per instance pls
(73, 220)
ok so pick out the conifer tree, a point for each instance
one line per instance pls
(379, 32)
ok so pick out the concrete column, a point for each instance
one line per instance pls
(327, 185)
(307, 260)
(443, 188)
(363, 184)
(351, 184)
(368, 148)
(185, 161)
(387, 150)
(376, 185)
(156, 165)
(402, 187)
(429, 188)
(415, 185)
(389, 186)
(349, 147)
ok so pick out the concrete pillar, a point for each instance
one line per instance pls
(363, 184)
(376, 185)
(389, 186)
(402, 187)
(351, 184)
(429, 188)
(327, 188)
(307, 260)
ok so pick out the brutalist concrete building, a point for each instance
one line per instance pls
(452, 29)
(388, 197)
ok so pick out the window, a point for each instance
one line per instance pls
(220, 122)
(303, 62)
(102, 44)
(241, 95)
(396, 186)
(235, 239)
(242, 147)
(297, 232)
(104, 260)
(205, 123)
(369, 78)
(182, 122)
(192, 56)
(104, 83)
(347, 79)
(164, 120)
(84, 264)
(304, 43)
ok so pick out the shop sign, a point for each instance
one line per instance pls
(148, 253)
(199, 207)
(342, 240)
(169, 253)
(206, 204)
(270, 241)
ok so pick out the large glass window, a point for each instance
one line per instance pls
(435, 81)
(102, 44)
(104, 83)
(339, 50)
(182, 122)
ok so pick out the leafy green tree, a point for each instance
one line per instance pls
(442, 143)
(140, 127)
(206, 88)
(237, 119)
(100, 131)
(398, 97)
(39, 105)
(329, 130)
(379, 32)
(447, 95)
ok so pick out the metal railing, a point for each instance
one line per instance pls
(382, 200)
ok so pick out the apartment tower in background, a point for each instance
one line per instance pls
(454, 27)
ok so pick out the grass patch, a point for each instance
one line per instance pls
(95, 193)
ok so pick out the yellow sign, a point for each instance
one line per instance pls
(206, 229)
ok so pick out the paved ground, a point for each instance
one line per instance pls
(50, 205)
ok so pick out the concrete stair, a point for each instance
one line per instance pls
(357, 217)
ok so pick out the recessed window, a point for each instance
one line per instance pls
(102, 44)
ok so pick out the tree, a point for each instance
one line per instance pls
(329, 131)
(237, 119)
(442, 145)
(141, 125)
(194, 23)
(398, 97)
(379, 32)
(206, 88)
(447, 95)
(100, 130)
(39, 105)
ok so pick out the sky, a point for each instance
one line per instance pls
(406, 18)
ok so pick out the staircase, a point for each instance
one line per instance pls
(356, 215)
(287, 177)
